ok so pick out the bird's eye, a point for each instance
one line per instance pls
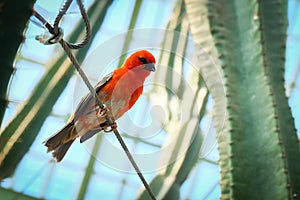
(143, 60)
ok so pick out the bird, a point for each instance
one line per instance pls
(118, 91)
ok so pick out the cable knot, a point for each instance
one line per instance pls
(51, 38)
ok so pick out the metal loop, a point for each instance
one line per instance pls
(57, 32)
(62, 12)
(48, 38)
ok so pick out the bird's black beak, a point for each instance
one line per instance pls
(150, 67)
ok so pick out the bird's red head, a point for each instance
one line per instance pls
(143, 60)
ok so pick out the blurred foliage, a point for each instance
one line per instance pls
(257, 140)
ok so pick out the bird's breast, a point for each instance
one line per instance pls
(122, 96)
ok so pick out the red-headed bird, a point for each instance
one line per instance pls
(118, 91)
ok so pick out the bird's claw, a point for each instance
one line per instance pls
(102, 112)
(113, 127)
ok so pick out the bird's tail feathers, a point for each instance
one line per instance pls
(60, 142)
(61, 151)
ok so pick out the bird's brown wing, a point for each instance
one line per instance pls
(85, 105)
(86, 108)
(60, 142)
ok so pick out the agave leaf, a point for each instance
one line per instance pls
(14, 16)
(236, 30)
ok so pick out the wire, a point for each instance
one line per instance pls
(55, 31)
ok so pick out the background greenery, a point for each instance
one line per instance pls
(253, 62)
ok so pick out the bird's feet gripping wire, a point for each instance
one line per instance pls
(113, 127)
(102, 112)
